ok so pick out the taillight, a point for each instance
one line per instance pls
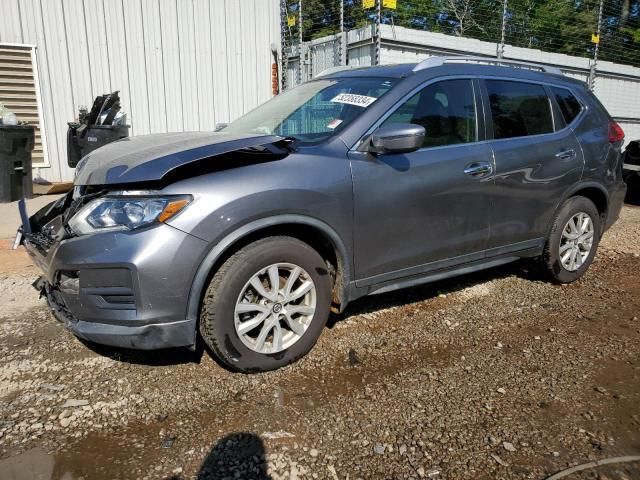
(616, 133)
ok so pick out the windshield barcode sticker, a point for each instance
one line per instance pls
(354, 99)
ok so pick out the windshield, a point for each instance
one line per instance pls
(314, 111)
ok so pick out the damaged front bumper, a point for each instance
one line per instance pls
(126, 289)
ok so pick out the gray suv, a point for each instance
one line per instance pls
(361, 181)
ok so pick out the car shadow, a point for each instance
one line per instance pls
(526, 269)
(237, 455)
(152, 358)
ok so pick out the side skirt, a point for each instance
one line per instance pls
(498, 258)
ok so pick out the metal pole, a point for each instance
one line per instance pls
(284, 67)
(300, 21)
(377, 32)
(300, 52)
(592, 70)
(343, 39)
(500, 52)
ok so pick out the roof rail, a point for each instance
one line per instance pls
(439, 61)
(330, 70)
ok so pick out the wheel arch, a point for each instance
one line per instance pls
(594, 191)
(597, 194)
(312, 231)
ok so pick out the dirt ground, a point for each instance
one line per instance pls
(494, 375)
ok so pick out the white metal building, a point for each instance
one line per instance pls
(179, 64)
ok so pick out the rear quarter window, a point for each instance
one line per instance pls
(518, 109)
(568, 103)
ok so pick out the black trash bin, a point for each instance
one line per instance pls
(95, 128)
(83, 139)
(632, 153)
(16, 144)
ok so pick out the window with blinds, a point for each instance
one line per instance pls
(18, 91)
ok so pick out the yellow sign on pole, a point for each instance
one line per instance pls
(291, 20)
(385, 3)
(595, 38)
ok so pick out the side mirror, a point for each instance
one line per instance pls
(397, 138)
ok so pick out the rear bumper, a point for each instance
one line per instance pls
(616, 201)
(125, 289)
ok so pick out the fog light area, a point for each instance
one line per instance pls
(69, 282)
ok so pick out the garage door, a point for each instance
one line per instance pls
(18, 91)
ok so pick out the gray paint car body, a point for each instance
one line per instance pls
(150, 157)
(394, 220)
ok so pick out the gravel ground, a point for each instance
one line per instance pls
(494, 375)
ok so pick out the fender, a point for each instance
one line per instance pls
(571, 192)
(202, 274)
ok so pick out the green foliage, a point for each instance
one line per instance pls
(563, 26)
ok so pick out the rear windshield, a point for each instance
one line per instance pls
(314, 111)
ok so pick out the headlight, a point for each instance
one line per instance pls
(111, 213)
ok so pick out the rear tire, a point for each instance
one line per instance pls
(240, 303)
(572, 241)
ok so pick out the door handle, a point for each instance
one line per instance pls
(478, 169)
(569, 154)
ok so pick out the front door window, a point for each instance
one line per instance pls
(445, 109)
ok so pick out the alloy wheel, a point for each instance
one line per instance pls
(576, 241)
(275, 308)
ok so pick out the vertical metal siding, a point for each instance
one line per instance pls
(115, 62)
(136, 59)
(171, 72)
(8, 26)
(153, 52)
(33, 34)
(97, 44)
(234, 23)
(178, 64)
(220, 76)
(188, 81)
(60, 88)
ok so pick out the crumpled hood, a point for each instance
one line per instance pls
(150, 157)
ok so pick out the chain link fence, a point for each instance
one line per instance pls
(600, 30)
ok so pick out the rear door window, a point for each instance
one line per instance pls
(518, 109)
(569, 105)
(445, 109)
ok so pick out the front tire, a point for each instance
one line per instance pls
(266, 305)
(572, 241)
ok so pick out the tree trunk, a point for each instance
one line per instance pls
(624, 12)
